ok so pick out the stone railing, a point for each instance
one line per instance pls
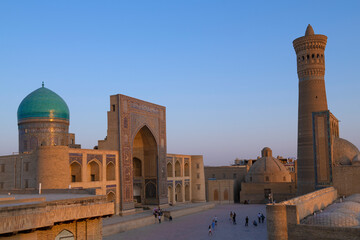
(283, 214)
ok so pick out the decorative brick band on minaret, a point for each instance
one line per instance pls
(312, 98)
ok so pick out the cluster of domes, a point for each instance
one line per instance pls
(267, 169)
(344, 214)
(43, 103)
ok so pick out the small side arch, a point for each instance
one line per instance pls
(187, 193)
(75, 172)
(178, 193)
(177, 169)
(110, 171)
(170, 195)
(110, 197)
(94, 170)
(169, 169)
(186, 170)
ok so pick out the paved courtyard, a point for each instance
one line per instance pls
(195, 226)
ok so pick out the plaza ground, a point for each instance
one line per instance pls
(195, 226)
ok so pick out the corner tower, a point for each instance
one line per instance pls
(312, 98)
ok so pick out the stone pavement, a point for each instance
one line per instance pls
(195, 226)
(147, 213)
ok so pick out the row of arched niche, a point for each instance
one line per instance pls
(216, 195)
(178, 196)
(178, 172)
(94, 172)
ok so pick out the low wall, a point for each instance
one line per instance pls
(46, 214)
(282, 216)
(312, 202)
(25, 200)
(144, 221)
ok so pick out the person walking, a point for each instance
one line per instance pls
(213, 224)
(210, 232)
(262, 218)
(234, 218)
(215, 218)
(231, 216)
(155, 215)
(159, 218)
(246, 221)
(259, 217)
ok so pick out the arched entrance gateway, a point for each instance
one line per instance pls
(145, 157)
(137, 131)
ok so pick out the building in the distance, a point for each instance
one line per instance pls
(229, 184)
(129, 166)
(223, 183)
(266, 180)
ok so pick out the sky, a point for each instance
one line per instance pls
(224, 70)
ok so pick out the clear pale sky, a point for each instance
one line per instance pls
(225, 70)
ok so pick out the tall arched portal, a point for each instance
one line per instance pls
(137, 129)
(145, 156)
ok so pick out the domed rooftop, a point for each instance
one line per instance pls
(268, 169)
(43, 103)
(344, 214)
(343, 151)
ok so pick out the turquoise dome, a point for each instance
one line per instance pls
(43, 103)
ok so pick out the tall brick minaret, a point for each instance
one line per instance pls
(312, 98)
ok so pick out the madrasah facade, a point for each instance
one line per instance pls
(130, 166)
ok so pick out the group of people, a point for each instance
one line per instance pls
(261, 219)
(157, 212)
(213, 224)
